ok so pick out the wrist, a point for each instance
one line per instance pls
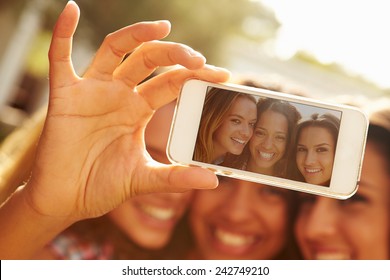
(24, 229)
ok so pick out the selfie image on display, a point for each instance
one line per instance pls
(267, 136)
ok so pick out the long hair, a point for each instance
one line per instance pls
(327, 121)
(217, 103)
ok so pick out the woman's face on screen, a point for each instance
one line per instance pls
(269, 141)
(315, 154)
(236, 128)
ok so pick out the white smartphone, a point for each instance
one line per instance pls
(269, 137)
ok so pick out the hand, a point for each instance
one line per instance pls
(91, 156)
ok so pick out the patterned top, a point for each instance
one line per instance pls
(69, 246)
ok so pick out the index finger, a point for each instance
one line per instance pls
(117, 44)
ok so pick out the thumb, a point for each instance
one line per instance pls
(171, 178)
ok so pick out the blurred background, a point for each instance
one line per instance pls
(328, 48)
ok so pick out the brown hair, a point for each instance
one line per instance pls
(217, 104)
(327, 121)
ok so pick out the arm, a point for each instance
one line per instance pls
(91, 156)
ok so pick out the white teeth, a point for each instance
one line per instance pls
(233, 239)
(242, 142)
(158, 212)
(266, 155)
(312, 170)
(332, 256)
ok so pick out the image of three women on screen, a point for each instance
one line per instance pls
(267, 136)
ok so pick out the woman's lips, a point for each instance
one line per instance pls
(158, 213)
(232, 242)
(312, 170)
(233, 239)
(266, 156)
(239, 141)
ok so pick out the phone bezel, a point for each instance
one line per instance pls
(350, 145)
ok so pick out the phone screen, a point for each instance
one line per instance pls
(268, 136)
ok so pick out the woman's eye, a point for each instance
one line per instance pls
(235, 121)
(280, 138)
(322, 150)
(271, 191)
(301, 149)
(356, 198)
(260, 133)
(252, 124)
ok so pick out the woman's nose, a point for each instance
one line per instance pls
(321, 219)
(238, 206)
(267, 142)
(246, 131)
(311, 157)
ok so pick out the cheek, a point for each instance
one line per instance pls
(299, 228)
(299, 159)
(281, 148)
(124, 217)
(276, 224)
(327, 162)
(204, 203)
(369, 237)
(275, 218)
(254, 142)
(224, 129)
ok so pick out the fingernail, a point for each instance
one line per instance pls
(194, 53)
(164, 22)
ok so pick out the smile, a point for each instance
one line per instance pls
(233, 239)
(312, 170)
(239, 141)
(331, 256)
(158, 213)
(266, 156)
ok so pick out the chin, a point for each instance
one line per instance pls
(153, 243)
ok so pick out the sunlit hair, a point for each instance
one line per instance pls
(217, 103)
(292, 116)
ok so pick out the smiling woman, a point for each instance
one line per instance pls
(269, 149)
(242, 220)
(315, 148)
(359, 227)
(226, 125)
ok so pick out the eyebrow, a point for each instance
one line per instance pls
(322, 144)
(319, 145)
(239, 116)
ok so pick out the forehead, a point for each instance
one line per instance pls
(243, 106)
(315, 134)
(270, 119)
